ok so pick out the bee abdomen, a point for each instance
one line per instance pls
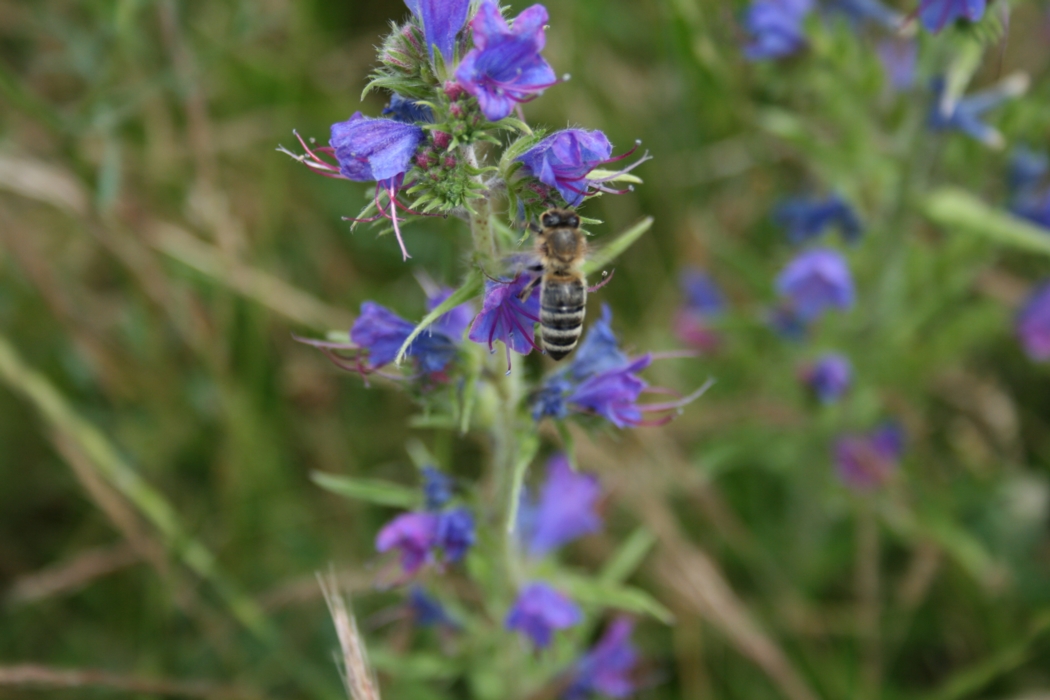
(562, 305)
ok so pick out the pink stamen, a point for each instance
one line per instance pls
(607, 280)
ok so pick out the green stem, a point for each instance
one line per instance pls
(481, 228)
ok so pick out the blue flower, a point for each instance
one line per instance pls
(1027, 170)
(703, 301)
(829, 377)
(808, 217)
(402, 109)
(934, 14)
(426, 610)
(601, 380)
(539, 611)
(606, 669)
(437, 489)
(374, 149)
(506, 318)
(865, 462)
(455, 533)
(1034, 207)
(1033, 323)
(564, 159)
(775, 28)
(414, 534)
(599, 351)
(505, 66)
(442, 20)
(964, 114)
(382, 332)
(899, 56)
(815, 281)
(564, 512)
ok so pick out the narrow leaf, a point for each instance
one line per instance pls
(618, 245)
(384, 493)
(957, 209)
(611, 595)
(628, 557)
(467, 291)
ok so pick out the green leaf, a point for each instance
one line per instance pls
(628, 557)
(604, 594)
(953, 209)
(604, 256)
(529, 444)
(513, 124)
(467, 291)
(384, 493)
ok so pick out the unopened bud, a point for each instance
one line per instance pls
(442, 140)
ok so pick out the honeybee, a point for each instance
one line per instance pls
(561, 247)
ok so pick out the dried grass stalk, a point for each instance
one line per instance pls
(357, 675)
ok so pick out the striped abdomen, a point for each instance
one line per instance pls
(562, 301)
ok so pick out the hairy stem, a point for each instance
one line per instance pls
(481, 228)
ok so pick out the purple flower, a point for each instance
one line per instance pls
(564, 512)
(455, 321)
(815, 281)
(412, 533)
(898, 56)
(374, 149)
(1033, 323)
(829, 377)
(613, 394)
(505, 317)
(505, 66)
(601, 380)
(539, 610)
(703, 301)
(964, 114)
(441, 20)
(1027, 170)
(934, 14)
(606, 669)
(865, 462)
(565, 158)
(808, 217)
(402, 109)
(1034, 207)
(775, 28)
(455, 533)
(382, 332)
(437, 489)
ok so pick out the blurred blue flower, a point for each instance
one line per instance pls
(455, 533)
(702, 295)
(442, 20)
(815, 281)
(565, 158)
(437, 488)
(403, 109)
(829, 377)
(426, 610)
(934, 14)
(786, 323)
(506, 318)
(899, 56)
(808, 217)
(539, 611)
(606, 668)
(565, 509)
(1033, 323)
(964, 114)
(413, 534)
(382, 332)
(865, 462)
(1035, 207)
(374, 149)
(505, 66)
(775, 28)
(1027, 170)
(549, 400)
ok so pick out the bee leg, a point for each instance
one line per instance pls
(526, 292)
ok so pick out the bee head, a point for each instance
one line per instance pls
(560, 218)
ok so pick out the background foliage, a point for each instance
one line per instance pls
(159, 425)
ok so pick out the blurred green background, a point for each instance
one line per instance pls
(158, 423)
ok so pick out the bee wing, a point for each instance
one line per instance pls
(517, 263)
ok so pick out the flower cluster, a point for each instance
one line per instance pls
(436, 534)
